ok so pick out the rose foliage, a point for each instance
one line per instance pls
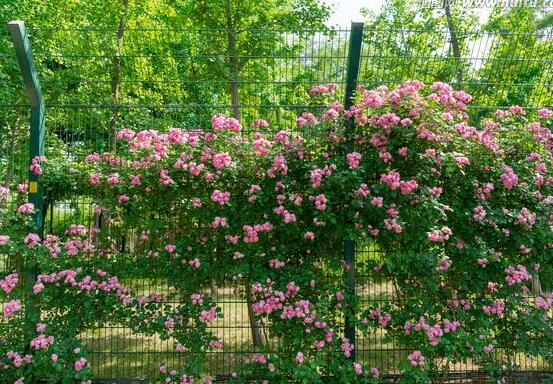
(460, 216)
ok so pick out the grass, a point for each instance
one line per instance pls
(117, 352)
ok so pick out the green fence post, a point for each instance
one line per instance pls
(354, 57)
(36, 101)
(36, 148)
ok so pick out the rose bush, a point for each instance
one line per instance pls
(461, 215)
(465, 219)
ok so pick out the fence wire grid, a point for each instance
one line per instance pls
(96, 81)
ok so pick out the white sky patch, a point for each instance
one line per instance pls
(343, 12)
(346, 11)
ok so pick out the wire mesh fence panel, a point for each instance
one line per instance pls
(97, 81)
(14, 122)
(497, 69)
(497, 78)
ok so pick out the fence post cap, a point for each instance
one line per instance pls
(16, 23)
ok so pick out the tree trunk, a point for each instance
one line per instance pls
(116, 78)
(11, 152)
(454, 44)
(536, 285)
(233, 64)
(257, 336)
(51, 218)
(214, 288)
(45, 210)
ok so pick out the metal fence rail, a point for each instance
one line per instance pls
(95, 82)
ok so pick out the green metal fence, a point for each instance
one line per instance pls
(96, 81)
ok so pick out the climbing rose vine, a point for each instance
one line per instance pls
(460, 216)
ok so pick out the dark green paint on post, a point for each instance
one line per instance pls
(36, 148)
(36, 102)
(354, 58)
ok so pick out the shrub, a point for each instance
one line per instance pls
(463, 216)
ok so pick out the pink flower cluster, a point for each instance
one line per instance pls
(257, 123)
(354, 159)
(433, 332)
(219, 222)
(306, 118)
(75, 244)
(221, 122)
(488, 348)
(8, 283)
(317, 174)
(17, 360)
(479, 213)
(363, 191)
(276, 264)
(208, 316)
(542, 134)
(386, 121)
(309, 235)
(219, 197)
(462, 160)
(35, 167)
(11, 307)
(509, 178)
(322, 89)
(261, 146)
(416, 359)
(32, 240)
(347, 347)
(80, 364)
(378, 201)
(443, 264)
(273, 301)
(517, 275)
(197, 298)
(383, 319)
(455, 302)
(372, 99)
(170, 248)
(86, 284)
(125, 134)
(526, 218)
(516, 110)
(320, 202)
(26, 208)
(483, 192)
(497, 308)
(216, 344)
(192, 167)
(392, 225)
(164, 177)
(544, 303)
(440, 235)
(545, 113)
(42, 342)
(221, 160)
(279, 165)
(252, 232)
(287, 216)
(300, 309)
(393, 180)
(258, 358)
